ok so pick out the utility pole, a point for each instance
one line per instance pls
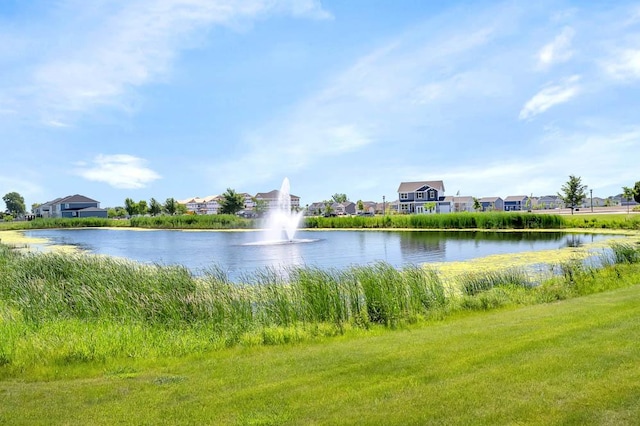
(591, 192)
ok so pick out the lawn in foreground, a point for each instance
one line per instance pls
(571, 362)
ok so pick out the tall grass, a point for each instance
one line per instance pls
(216, 221)
(75, 308)
(484, 220)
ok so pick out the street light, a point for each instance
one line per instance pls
(384, 207)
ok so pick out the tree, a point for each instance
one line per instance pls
(636, 192)
(181, 208)
(142, 207)
(476, 204)
(170, 206)
(574, 192)
(339, 198)
(155, 208)
(116, 212)
(231, 202)
(260, 206)
(130, 206)
(360, 205)
(15, 203)
(627, 194)
(34, 206)
(328, 208)
(430, 206)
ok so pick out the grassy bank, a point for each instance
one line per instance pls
(484, 220)
(58, 309)
(571, 362)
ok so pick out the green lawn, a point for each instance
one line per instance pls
(575, 361)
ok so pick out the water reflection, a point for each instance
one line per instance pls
(234, 253)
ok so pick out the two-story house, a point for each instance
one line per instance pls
(421, 197)
(71, 206)
(517, 203)
(491, 204)
(271, 200)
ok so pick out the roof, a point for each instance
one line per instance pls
(77, 198)
(272, 195)
(92, 209)
(515, 198)
(414, 186)
(489, 199)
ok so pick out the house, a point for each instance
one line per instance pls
(272, 202)
(212, 204)
(517, 203)
(491, 204)
(459, 203)
(71, 206)
(344, 208)
(420, 197)
(550, 202)
(195, 205)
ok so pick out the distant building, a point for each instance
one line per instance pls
(71, 206)
(491, 204)
(422, 197)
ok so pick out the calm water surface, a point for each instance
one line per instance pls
(237, 252)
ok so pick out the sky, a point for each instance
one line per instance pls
(155, 99)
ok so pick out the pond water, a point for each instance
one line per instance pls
(237, 253)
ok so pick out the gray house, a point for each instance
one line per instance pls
(421, 197)
(71, 206)
(492, 204)
(516, 203)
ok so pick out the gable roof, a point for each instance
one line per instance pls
(489, 199)
(77, 198)
(438, 185)
(272, 195)
(515, 198)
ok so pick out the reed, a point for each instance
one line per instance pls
(219, 221)
(80, 308)
(483, 220)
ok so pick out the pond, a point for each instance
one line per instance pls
(237, 252)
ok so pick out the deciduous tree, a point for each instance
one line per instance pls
(231, 202)
(627, 194)
(339, 198)
(130, 206)
(573, 192)
(15, 203)
(155, 208)
(170, 206)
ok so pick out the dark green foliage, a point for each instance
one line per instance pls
(483, 220)
(15, 203)
(215, 221)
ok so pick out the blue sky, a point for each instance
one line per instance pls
(182, 98)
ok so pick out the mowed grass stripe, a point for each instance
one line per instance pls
(570, 362)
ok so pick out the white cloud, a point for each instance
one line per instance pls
(102, 51)
(625, 65)
(558, 50)
(120, 171)
(550, 96)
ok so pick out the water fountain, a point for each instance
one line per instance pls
(282, 223)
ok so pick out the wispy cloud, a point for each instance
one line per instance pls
(558, 50)
(625, 65)
(104, 51)
(550, 96)
(120, 171)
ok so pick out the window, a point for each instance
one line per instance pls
(432, 194)
(404, 196)
(420, 195)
